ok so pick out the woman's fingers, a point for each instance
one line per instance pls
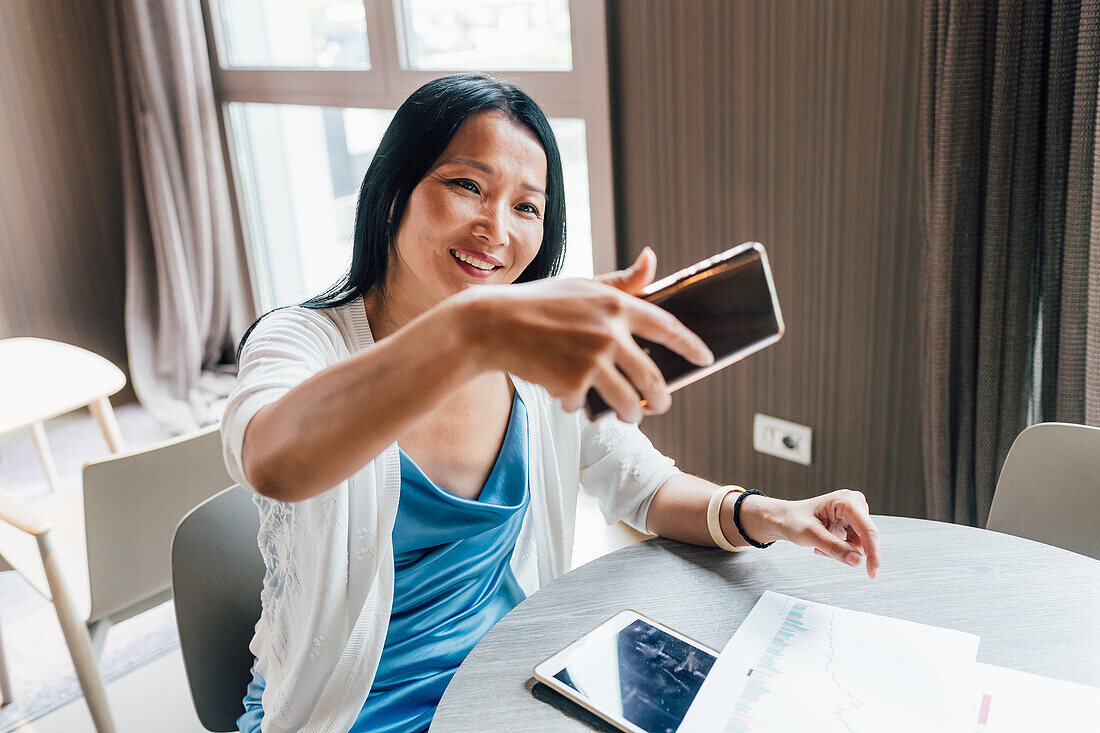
(634, 278)
(844, 515)
(838, 525)
(645, 377)
(572, 335)
(620, 395)
(825, 543)
(630, 375)
(633, 376)
(855, 514)
(650, 321)
(655, 324)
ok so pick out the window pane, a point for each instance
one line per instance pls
(487, 35)
(300, 171)
(294, 33)
(570, 133)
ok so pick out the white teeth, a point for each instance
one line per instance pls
(475, 262)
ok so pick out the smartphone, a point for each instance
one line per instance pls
(729, 301)
(633, 672)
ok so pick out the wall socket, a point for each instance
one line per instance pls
(782, 438)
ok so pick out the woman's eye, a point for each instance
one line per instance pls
(528, 209)
(465, 183)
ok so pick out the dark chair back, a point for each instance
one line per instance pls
(217, 575)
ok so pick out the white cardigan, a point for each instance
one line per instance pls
(328, 587)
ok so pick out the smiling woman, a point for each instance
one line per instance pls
(413, 434)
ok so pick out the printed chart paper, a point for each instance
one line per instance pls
(797, 665)
(1017, 702)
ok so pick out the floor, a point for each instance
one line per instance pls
(151, 697)
(155, 696)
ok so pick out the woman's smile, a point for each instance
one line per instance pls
(476, 264)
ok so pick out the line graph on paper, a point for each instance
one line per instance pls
(798, 665)
(804, 652)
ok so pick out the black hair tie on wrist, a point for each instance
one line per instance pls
(737, 519)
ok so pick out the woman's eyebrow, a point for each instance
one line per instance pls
(478, 165)
(470, 162)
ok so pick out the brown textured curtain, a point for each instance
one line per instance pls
(1010, 266)
(178, 224)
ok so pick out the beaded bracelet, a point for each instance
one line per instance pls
(737, 519)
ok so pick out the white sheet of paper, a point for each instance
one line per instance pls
(797, 665)
(1017, 702)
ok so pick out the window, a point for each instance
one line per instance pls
(307, 88)
(294, 34)
(486, 35)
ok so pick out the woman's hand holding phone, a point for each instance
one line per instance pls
(572, 335)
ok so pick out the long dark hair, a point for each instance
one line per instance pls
(420, 131)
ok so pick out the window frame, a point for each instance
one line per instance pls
(581, 93)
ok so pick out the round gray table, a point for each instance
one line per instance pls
(1035, 607)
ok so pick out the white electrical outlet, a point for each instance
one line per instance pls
(782, 438)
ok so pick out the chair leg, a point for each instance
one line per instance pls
(5, 683)
(76, 637)
(97, 632)
(38, 435)
(105, 416)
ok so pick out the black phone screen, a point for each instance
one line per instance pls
(727, 301)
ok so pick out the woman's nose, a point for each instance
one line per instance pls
(491, 224)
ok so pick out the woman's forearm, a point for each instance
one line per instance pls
(330, 426)
(679, 512)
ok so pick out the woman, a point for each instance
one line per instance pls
(416, 443)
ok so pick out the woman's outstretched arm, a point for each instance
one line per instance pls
(332, 424)
(567, 335)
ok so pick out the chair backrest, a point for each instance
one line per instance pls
(1049, 488)
(217, 575)
(132, 504)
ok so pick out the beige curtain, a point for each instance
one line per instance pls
(1010, 265)
(178, 226)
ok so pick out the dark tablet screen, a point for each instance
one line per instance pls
(641, 674)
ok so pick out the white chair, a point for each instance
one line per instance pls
(1049, 488)
(40, 379)
(103, 556)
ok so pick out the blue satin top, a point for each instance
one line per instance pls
(452, 583)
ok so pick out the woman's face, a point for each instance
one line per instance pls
(476, 217)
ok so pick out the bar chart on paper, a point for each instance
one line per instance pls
(797, 665)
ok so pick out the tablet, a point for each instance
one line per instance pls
(633, 672)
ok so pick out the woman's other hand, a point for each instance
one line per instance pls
(573, 334)
(836, 525)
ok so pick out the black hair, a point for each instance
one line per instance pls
(420, 131)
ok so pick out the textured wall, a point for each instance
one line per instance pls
(61, 250)
(795, 124)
